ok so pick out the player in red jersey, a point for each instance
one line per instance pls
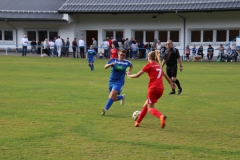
(113, 52)
(155, 87)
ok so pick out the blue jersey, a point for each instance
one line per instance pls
(91, 53)
(118, 70)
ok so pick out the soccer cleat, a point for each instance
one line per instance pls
(136, 124)
(122, 100)
(180, 91)
(172, 93)
(103, 111)
(163, 120)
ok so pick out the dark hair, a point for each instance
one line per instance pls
(124, 51)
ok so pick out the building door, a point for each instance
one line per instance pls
(91, 34)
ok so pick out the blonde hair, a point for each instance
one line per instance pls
(155, 56)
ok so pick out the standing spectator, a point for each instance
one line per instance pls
(163, 50)
(134, 49)
(33, 46)
(45, 47)
(39, 46)
(59, 44)
(67, 47)
(113, 52)
(95, 45)
(24, 45)
(194, 51)
(74, 48)
(126, 46)
(81, 45)
(200, 52)
(148, 47)
(130, 50)
(210, 52)
(105, 46)
(116, 80)
(141, 49)
(228, 54)
(51, 45)
(235, 53)
(90, 56)
(55, 47)
(63, 47)
(187, 52)
(158, 45)
(155, 87)
(221, 52)
(171, 59)
(115, 42)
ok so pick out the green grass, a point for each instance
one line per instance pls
(50, 108)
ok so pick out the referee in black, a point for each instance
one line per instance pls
(171, 58)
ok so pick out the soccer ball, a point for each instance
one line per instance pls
(135, 115)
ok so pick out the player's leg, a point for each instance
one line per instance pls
(142, 114)
(169, 73)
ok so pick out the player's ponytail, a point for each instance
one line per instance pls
(155, 56)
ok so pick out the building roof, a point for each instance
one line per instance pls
(31, 9)
(139, 6)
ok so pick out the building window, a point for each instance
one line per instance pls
(109, 34)
(233, 34)
(149, 36)
(52, 34)
(8, 35)
(139, 36)
(119, 36)
(31, 35)
(195, 36)
(0, 35)
(163, 36)
(174, 36)
(221, 35)
(207, 36)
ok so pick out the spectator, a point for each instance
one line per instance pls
(33, 46)
(200, 52)
(228, 54)
(134, 49)
(74, 48)
(46, 47)
(24, 45)
(221, 52)
(113, 52)
(116, 44)
(210, 52)
(141, 49)
(59, 44)
(126, 46)
(187, 52)
(148, 47)
(158, 45)
(67, 47)
(39, 45)
(95, 45)
(163, 50)
(81, 45)
(105, 46)
(194, 51)
(235, 53)
(51, 45)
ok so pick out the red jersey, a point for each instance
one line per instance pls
(110, 43)
(155, 73)
(114, 53)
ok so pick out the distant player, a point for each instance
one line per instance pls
(117, 78)
(90, 56)
(155, 87)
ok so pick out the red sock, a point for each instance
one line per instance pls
(155, 112)
(142, 114)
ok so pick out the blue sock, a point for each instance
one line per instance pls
(109, 104)
(119, 97)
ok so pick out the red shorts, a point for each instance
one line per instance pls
(153, 95)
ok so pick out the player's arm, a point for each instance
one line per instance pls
(163, 62)
(109, 65)
(169, 81)
(136, 75)
(86, 56)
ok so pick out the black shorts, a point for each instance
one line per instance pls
(172, 71)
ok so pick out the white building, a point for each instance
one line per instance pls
(186, 22)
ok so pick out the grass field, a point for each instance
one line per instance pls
(50, 108)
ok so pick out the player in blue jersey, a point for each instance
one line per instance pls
(90, 56)
(117, 78)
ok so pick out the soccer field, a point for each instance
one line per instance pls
(50, 108)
